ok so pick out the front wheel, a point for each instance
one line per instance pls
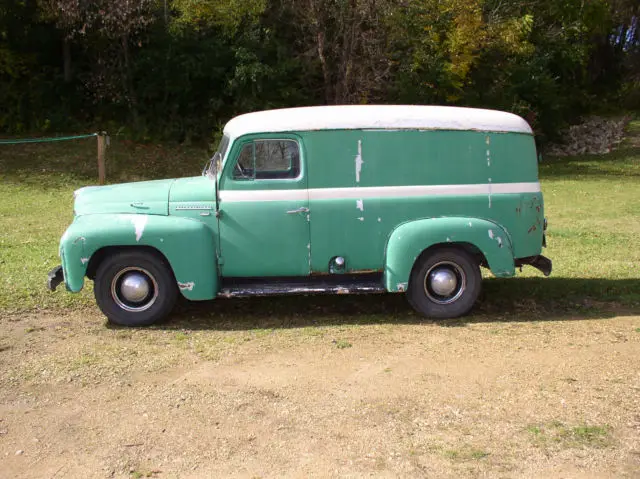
(444, 284)
(135, 288)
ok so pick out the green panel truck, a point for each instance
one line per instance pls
(333, 199)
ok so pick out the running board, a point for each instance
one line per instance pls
(334, 284)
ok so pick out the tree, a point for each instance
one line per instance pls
(436, 46)
(347, 39)
(207, 60)
(100, 23)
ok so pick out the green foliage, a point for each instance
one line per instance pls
(28, 77)
(536, 60)
(229, 15)
(179, 69)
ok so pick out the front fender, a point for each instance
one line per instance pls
(188, 245)
(409, 240)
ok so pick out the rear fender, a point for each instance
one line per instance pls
(408, 241)
(187, 244)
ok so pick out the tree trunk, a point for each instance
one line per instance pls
(128, 80)
(317, 23)
(328, 87)
(66, 58)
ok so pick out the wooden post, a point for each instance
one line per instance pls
(102, 147)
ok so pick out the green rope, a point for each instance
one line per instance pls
(45, 140)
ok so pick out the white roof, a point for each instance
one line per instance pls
(364, 117)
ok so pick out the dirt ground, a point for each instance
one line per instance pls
(525, 396)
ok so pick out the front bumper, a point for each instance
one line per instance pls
(55, 277)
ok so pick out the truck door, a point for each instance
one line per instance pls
(264, 208)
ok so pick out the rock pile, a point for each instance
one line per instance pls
(594, 136)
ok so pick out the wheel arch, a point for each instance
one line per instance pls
(101, 254)
(186, 245)
(485, 240)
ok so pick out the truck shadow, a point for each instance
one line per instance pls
(521, 300)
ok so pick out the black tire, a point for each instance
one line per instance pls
(143, 267)
(453, 264)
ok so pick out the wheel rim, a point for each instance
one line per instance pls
(445, 282)
(134, 289)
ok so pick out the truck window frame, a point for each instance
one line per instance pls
(242, 145)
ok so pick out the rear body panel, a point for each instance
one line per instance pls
(364, 184)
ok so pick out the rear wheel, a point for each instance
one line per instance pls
(135, 288)
(445, 283)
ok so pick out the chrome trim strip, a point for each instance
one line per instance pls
(379, 192)
(193, 208)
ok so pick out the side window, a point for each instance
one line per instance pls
(244, 165)
(268, 160)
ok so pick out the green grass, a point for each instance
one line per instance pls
(343, 344)
(559, 435)
(181, 336)
(36, 191)
(593, 206)
(465, 454)
(592, 203)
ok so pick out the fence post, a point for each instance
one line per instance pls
(102, 147)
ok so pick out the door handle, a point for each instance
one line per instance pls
(302, 209)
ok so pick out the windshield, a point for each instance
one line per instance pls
(213, 163)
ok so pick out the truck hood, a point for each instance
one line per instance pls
(147, 197)
(196, 189)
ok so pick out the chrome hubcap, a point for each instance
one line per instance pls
(445, 282)
(134, 289)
